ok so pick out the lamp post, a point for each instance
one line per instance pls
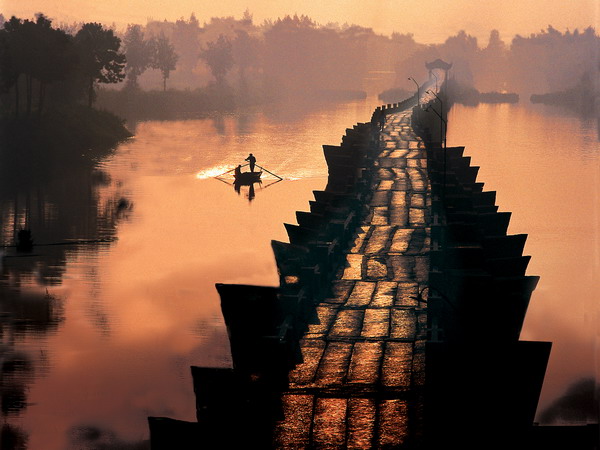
(442, 135)
(445, 123)
(436, 80)
(418, 91)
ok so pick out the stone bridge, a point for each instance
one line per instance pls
(396, 323)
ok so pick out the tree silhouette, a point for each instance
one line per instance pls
(164, 57)
(18, 55)
(55, 59)
(9, 72)
(246, 53)
(35, 51)
(99, 57)
(552, 61)
(138, 53)
(247, 18)
(218, 56)
(491, 63)
(185, 39)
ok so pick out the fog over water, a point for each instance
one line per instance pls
(100, 322)
(139, 311)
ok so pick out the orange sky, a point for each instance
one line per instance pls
(429, 20)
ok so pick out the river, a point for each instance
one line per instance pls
(96, 336)
(545, 166)
(109, 329)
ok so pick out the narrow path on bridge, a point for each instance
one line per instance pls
(362, 378)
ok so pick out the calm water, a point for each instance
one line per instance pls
(109, 330)
(545, 168)
(98, 336)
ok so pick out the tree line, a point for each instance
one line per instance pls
(40, 62)
(542, 62)
(290, 55)
(294, 53)
(156, 53)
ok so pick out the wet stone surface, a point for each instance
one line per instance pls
(363, 366)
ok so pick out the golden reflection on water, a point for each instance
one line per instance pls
(139, 311)
(545, 169)
(142, 309)
(127, 344)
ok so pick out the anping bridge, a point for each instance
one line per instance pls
(396, 323)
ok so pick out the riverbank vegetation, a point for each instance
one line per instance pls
(289, 57)
(45, 66)
(469, 96)
(186, 67)
(295, 57)
(583, 98)
(48, 81)
(545, 62)
(61, 135)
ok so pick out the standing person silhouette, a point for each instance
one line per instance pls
(252, 160)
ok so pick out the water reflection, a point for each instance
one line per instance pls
(250, 194)
(578, 404)
(545, 169)
(117, 298)
(12, 437)
(61, 205)
(97, 333)
(248, 190)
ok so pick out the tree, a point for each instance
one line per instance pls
(461, 50)
(185, 39)
(9, 72)
(55, 56)
(17, 57)
(246, 53)
(164, 57)
(219, 58)
(491, 64)
(247, 18)
(495, 44)
(34, 51)
(99, 57)
(138, 53)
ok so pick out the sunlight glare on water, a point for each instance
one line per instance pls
(212, 172)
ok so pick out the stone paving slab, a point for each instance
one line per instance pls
(312, 352)
(334, 364)
(363, 367)
(365, 362)
(325, 316)
(361, 294)
(361, 422)
(376, 323)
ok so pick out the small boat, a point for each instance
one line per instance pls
(247, 177)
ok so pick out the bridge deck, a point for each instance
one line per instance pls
(361, 381)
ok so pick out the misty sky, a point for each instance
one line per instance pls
(430, 21)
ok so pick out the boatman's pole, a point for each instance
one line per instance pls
(269, 172)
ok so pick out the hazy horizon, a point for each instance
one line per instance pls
(510, 17)
(113, 239)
